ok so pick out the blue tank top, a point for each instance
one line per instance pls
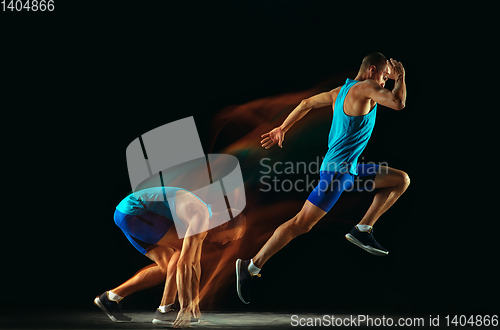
(152, 200)
(348, 135)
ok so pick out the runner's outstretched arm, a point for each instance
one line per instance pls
(277, 135)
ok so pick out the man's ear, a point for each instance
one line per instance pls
(372, 69)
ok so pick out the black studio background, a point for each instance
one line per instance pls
(79, 84)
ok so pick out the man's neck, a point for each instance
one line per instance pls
(361, 76)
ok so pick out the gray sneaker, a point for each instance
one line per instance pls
(112, 308)
(165, 318)
(169, 317)
(366, 241)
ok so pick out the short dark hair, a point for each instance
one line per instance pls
(377, 59)
(237, 222)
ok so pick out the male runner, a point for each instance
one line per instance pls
(146, 218)
(354, 111)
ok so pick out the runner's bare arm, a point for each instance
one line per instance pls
(186, 274)
(196, 282)
(188, 264)
(316, 101)
(277, 135)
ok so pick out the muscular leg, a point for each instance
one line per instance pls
(298, 225)
(393, 184)
(145, 278)
(166, 259)
(170, 285)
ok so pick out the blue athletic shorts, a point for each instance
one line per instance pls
(332, 184)
(144, 230)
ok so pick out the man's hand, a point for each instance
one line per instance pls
(396, 69)
(183, 318)
(275, 136)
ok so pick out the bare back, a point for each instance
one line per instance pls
(185, 205)
(355, 103)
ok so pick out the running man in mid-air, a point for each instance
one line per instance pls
(354, 110)
(146, 219)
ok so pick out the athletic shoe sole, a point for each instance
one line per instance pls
(99, 304)
(168, 323)
(367, 248)
(238, 287)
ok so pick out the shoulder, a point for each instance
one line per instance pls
(334, 92)
(365, 89)
(192, 210)
(367, 84)
(186, 197)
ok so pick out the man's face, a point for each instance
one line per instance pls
(226, 236)
(381, 76)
